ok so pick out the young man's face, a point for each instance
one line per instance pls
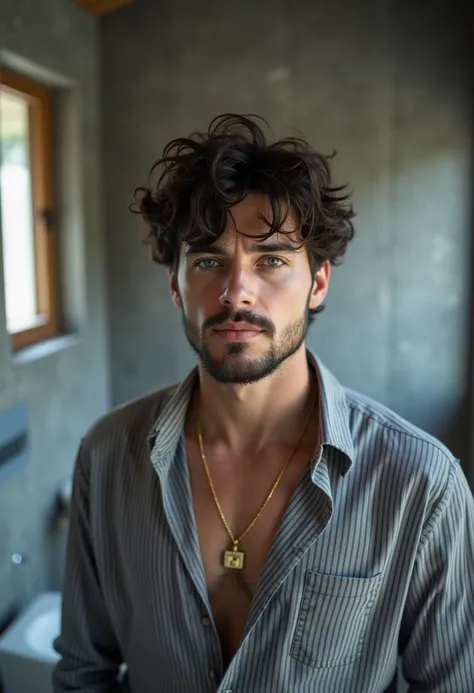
(245, 301)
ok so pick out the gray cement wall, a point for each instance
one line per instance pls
(386, 84)
(65, 382)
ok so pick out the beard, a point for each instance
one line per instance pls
(247, 369)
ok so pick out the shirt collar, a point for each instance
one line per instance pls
(168, 428)
(335, 413)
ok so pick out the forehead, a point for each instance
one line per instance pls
(253, 215)
(248, 223)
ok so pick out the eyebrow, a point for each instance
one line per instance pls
(279, 247)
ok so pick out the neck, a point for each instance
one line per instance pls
(249, 417)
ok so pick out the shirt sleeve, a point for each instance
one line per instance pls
(438, 651)
(90, 656)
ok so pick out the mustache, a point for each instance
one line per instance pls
(240, 315)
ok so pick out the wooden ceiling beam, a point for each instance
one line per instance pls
(101, 7)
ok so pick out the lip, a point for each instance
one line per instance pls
(236, 327)
(237, 331)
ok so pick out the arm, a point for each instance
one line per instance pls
(438, 625)
(90, 655)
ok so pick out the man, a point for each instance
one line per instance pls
(259, 527)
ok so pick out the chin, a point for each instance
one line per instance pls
(240, 352)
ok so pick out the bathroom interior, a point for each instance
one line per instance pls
(389, 85)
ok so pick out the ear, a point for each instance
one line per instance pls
(174, 288)
(320, 285)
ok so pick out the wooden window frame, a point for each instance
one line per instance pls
(44, 229)
(102, 7)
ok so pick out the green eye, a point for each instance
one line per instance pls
(273, 262)
(206, 263)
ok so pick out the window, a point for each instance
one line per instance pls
(27, 210)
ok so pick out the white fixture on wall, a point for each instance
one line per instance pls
(27, 655)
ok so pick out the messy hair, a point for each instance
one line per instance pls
(201, 177)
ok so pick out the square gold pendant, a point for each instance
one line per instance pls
(234, 559)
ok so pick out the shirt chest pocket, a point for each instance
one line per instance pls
(332, 619)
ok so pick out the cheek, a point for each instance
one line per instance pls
(201, 288)
(199, 300)
(289, 293)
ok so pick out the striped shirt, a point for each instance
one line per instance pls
(373, 560)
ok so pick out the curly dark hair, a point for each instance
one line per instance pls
(204, 175)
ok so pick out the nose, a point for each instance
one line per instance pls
(238, 291)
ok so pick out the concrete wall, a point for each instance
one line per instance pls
(65, 382)
(387, 84)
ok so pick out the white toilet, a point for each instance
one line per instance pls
(27, 656)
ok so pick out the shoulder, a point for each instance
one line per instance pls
(126, 424)
(371, 416)
(405, 453)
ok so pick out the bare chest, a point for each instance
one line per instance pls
(241, 494)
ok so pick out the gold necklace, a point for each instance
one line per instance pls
(235, 558)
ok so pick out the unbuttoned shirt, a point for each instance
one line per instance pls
(373, 560)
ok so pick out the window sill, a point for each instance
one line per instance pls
(48, 347)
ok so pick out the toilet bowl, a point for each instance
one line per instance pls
(27, 655)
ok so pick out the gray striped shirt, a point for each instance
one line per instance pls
(374, 558)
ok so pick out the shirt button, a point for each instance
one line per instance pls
(206, 621)
(327, 509)
(212, 674)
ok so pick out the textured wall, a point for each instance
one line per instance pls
(68, 387)
(386, 84)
